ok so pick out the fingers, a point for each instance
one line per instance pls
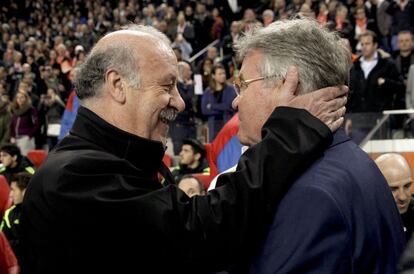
(291, 82)
(330, 93)
(336, 104)
(336, 124)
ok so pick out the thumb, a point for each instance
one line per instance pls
(291, 82)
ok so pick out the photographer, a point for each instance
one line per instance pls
(52, 107)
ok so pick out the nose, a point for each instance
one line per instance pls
(177, 101)
(235, 103)
(401, 195)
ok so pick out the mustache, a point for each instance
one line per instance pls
(168, 114)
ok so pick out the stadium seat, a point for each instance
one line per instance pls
(37, 156)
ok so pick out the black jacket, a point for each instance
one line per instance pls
(95, 205)
(367, 96)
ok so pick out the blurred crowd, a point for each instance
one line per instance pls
(42, 43)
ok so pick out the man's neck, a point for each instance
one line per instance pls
(194, 165)
(370, 57)
(405, 53)
(13, 165)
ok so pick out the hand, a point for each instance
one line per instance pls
(12, 140)
(327, 104)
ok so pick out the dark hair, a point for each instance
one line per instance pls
(200, 184)
(369, 33)
(22, 179)
(213, 71)
(12, 150)
(197, 146)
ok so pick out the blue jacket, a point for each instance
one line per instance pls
(338, 217)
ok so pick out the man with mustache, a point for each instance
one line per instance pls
(96, 205)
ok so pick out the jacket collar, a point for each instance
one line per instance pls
(339, 137)
(143, 153)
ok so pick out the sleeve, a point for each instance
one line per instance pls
(35, 122)
(231, 221)
(308, 235)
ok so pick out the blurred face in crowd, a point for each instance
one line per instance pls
(212, 53)
(187, 156)
(190, 186)
(7, 160)
(219, 75)
(360, 14)
(253, 97)
(16, 194)
(405, 41)
(368, 47)
(21, 99)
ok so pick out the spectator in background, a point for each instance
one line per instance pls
(267, 17)
(404, 58)
(184, 46)
(5, 120)
(192, 159)
(375, 85)
(378, 12)
(402, 19)
(13, 162)
(217, 29)
(24, 123)
(183, 126)
(216, 101)
(191, 186)
(397, 172)
(10, 224)
(52, 107)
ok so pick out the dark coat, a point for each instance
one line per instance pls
(96, 206)
(339, 217)
(367, 96)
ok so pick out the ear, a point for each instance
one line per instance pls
(115, 85)
(14, 158)
(197, 156)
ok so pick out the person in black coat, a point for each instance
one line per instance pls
(375, 86)
(97, 206)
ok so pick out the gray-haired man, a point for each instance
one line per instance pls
(339, 216)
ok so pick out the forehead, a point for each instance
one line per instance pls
(250, 64)
(189, 182)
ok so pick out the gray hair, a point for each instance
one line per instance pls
(90, 75)
(321, 57)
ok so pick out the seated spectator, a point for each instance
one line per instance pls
(192, 159)
(11, 220)
(13, 162)
(397, 172)
(5, 119)
(191, 186)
